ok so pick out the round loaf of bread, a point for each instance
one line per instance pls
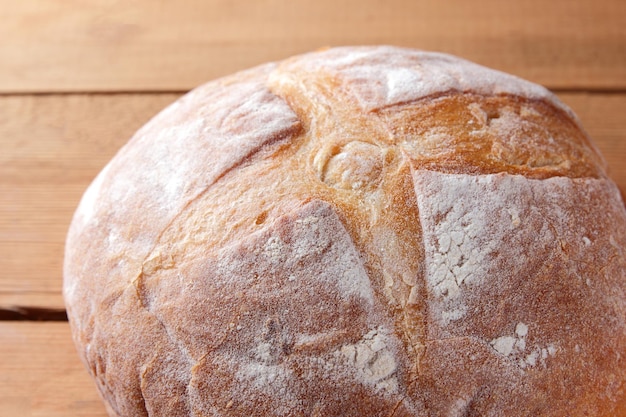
(362, 231)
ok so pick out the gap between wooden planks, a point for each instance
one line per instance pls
(41, 374)
(142, 45)
(54, 145)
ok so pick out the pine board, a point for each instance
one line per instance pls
(54, 145)
(142, 45)
(41, 374)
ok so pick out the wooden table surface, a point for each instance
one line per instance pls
(78, 78)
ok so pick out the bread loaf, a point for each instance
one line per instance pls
(360, 231)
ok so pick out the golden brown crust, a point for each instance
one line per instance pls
(354, 232)
(485, 135)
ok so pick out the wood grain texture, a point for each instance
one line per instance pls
(54, 145)
(41, 374)
(107, 45)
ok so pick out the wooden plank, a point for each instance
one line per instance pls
(41, 374)
(102, 45)
(53, 146)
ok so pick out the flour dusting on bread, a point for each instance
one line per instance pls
(359, 231)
